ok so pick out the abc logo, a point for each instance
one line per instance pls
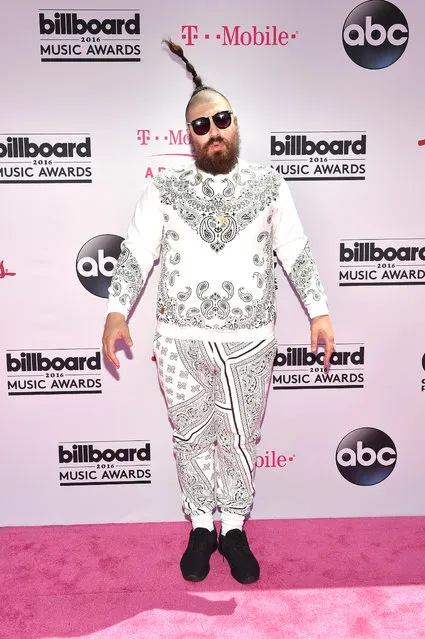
(375, 34)
(96, 261)
(366, 456)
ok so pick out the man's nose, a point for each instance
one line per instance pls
(214, 130)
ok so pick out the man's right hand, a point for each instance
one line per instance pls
(115, 328)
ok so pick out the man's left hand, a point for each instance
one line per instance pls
(321, 329)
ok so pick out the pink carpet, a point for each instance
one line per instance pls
(333, 579)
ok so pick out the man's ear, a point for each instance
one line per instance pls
(235, 118)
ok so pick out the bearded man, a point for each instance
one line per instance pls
(215, 225)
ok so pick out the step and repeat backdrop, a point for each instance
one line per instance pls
(331, 95)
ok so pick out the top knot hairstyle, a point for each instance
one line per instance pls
(177, 50)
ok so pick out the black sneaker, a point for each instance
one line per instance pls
(243, 565)
(195, 562)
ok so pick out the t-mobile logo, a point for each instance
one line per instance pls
(236, 35)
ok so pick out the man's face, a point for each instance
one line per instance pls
(217, 151)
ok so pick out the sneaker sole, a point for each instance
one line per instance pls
(195, 577)
(247, 580)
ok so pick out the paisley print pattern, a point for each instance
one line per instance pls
(217, 310)
(305, 277)
(127, 280)
(216, 395)
(226, 289)
(221, 210)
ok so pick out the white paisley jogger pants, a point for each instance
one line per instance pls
(216, 395)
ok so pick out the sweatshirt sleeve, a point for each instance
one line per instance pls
(138, 252)
(293, 250)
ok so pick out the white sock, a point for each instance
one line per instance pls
(230, 521)
(203, 521)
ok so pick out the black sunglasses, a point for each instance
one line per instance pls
(201, 126)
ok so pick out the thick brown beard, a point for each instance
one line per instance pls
(222, 161)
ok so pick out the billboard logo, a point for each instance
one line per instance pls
(41, 158)
(104, 463)
(319, 155)
(296, 367)
(382, 262)
(89, 35)
(74, 371)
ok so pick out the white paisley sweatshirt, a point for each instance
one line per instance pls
(215, 236)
